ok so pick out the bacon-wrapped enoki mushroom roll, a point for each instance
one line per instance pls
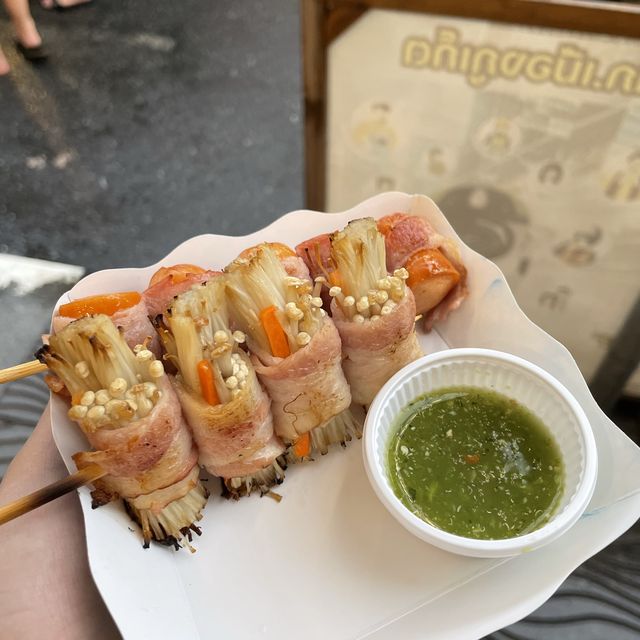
(127, 310)
(168, 282)
(297, 352)
(226, 408)
(437, 277)
(126, 407)
(374, 313)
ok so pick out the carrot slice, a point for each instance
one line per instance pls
(207, 384)
(275, 333)
(178, 273)
(108, 304)
(302, 447)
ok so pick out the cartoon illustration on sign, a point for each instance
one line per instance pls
(484, 217)
(372, 131)
(624, 184)
(550, 173)
(555, 300)
(385, 183)
(497, 138)
(435, 162)
(579, 250)
(527, 139)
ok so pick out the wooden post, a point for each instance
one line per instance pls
(314, 49)
(322, 22)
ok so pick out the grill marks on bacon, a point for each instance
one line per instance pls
(374, 351)
(235, 438)
(307, 388)
(405, 235)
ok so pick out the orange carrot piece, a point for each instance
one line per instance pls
(302, 447)
(275, 333)
(108, 304)
(178, 273)
(207, 383)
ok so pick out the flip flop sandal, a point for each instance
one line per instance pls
(56, 6)
(32, 54)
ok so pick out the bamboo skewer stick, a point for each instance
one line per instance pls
(21, 371)
(55, 490)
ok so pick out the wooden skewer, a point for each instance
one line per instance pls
(55, 490)
(21, 371)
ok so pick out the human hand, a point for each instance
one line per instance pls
(46, 589)
(4, 64)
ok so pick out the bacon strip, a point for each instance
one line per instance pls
(136, 327)
(152, 455)
(307, 388)
(374, 351)
(295, 267)
(160, 498)
(158, 297)
(316, 254)
(177, 462)
(234, 436)
(136, 447)
(261, 459)
(132, 322)
(404, 235)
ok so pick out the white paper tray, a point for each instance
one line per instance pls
(329, 561)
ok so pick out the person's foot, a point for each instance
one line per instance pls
(62, 4)
(4, 64)
(27, 34)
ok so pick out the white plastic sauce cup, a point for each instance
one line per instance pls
(515, 378)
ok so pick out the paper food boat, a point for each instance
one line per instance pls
(328, 561)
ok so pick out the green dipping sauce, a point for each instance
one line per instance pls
(475, 463)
